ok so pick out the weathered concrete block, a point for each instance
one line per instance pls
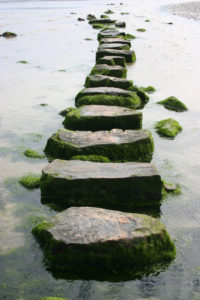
(98, 243)
(124, 186)
(129, 55)
(114, 40)
(112, 61)
(117, 145)
(115, 71)
(102, 117)
(108, 81)
(108, 96)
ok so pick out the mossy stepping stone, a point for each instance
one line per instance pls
(114, 46)
(108, 96)
(110, 33)
(120, 24)
(173, 103)
(108, 81)
(115, 71)
(52, 298)
(102, 21)
(102, 117)
(92, 242)
(114, 41)
(117, 145)
(129, 55)
(112, 61)
(168, 128)
(123, 186)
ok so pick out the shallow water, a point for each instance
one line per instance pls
(51, 39)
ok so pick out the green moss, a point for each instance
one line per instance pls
(108, 11)
(53, 298)
(119, 73)
(124, 13)
(112, 61)
(129, 37)
(168, 128)
(88, 39)
(98, 26)
(9, 34)
(140, 92)
(30, 181)
(22, 62)
(173, 103)
(108, 82)
(141, 29)
(104, 16)
(95, 158)
(171, 188)
(129, 56)
(149, 89)
(91, 17)
(147, 20)
(131, 102)
(33, 154)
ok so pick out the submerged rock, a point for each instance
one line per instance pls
(116, 144)
(30, 181)
(108, 81)
(168, 128)
(112, 61)
(33, 154)
(129, 55)
(114, 46)
(123, 186)
(9, 34)
(141, 29)
(120, 24)
(173, 103)
(102, 117)
(96, 242)
(108, 96)
(91, 17)
(81, 19)
(115, 71)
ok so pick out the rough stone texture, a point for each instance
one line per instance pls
(120, 24)
(172, 103)
(168, 128)
(114, 46)
(110, 33)
(112, 61)
(102, 21)
(117, 145)
(129, 55)
(108, 81)
(108, 96)
(115, 71)
(115, 40)
(102, 117)
(94, 240)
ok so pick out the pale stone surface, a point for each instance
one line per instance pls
(109, 60)
(111, 46)
(128, 54)
(109, 81)
(108, 111)
(115, 40)
(120, 24)
(103, 90)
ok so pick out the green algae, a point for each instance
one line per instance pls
(113, 61)
(129, 56)
(141, 94)
(91, 17)
(95, 158)
(141, 29)
(8, 34)
(168, 128)
(173, 103)
(22, 62)
(30, 181)
(104, 16)
(98, 26)
(32, 154)
(169, 188)
(149, 89)
(52, 298)
(119, 73)
(109, 12)
(124, 13)
(128, 37)
(147, 20)
(88, 39)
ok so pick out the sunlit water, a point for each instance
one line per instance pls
(51, 39)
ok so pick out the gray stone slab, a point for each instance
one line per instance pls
(102, 21)
(102, 117)
(120, 24)
(108, 81)
(115, 71)
(112, 61)
(128, 54)
(114, 46)
(117, 145)
(114, 41)
(110, 33)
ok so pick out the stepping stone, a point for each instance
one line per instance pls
(129, 55)
(114, 46)
(123, 186)
(108, 81)
(114, 40)
(102, 117)
(108, 96)
(115, 71)
(120, 24)
(102, 21)
(93, 243)
(110, 33)
(117, 145)
(112, 61)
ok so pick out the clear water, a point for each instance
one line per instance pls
(51, 39)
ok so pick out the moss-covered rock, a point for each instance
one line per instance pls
(129, 55)
(114, 46)
(117, 145)
(9, 34)
(123, 186)
(173, 103)
(140, 92)
(108, 96)
(108, 81)
(32, 154)
(30, 181)
(104, 16)
(101, 117)
(112, 61)
(128, 37)
(102, 21)
(110, 33)
(97, 243)
(94, 158)
(120, 24)
(115, 41)
(22, 62)
(149, 89)
(168, 128)
(115, 71)
(91, 17)
(109, 12)
(98, 26)
(52, 298)
(141, 29)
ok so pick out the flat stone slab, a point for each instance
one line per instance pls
(102, 21)
(108, 81)
(115, 41)
(102, 117)
(129, 55)
(115, 71)
(92, 240)
(116, 144)
(114, 46)
(112, 61)
(120, 24)
(108, 96)
(124, 186)
(110, 33)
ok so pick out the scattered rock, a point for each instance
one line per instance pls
(173, 103)
(169, 187)
(149, 89)
(125, 13)
(98, 26)
(30, 181)
(115, 71)
(102, 21)
(129, 55)
(169, 23)
(141, 29)
(33, 154)
(109, 12)
(43, 104)
(81, 19)
(22, 62)
(116, 144)
(88, 39)
(120, 24)
(112, 61)
(129, 37)
(62, 70)
(168, 128)
(94, 158)
(123, 186)
(91, 17)
(104, 16)
(73, 13)
(9, 34)
(108, 81)
(102, 117)
(147, 20)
